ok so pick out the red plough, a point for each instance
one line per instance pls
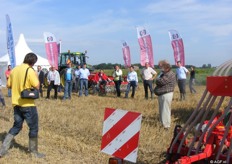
(108, 88)
(206, 137)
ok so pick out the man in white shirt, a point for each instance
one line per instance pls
(148, 75)
(181, 75)
(132, 79)
(53, 79)
(83, 74)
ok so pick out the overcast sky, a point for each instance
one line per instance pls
(99, 26)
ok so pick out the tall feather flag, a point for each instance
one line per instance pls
(126, 54)
(178, 46)
(145, 43)
(10, 42)
(51, 49)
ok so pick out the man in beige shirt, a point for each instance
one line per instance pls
(148, 75)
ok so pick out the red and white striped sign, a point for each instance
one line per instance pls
(120, 135)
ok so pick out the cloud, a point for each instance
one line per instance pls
(195, 13)
(100, 27)
(217, 30)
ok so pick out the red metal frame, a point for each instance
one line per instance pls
(209, 152)
(220, 85)
(216, 86)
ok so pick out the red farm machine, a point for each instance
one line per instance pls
(206, 137)
(109, 87)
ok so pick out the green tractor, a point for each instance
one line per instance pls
(77, 58)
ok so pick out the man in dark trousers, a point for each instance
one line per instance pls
(41, 80)
(24, 108)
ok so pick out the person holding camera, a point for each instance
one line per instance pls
(24, 108)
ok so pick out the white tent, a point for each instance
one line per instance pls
(21, 49)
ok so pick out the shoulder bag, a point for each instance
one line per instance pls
(29, 93)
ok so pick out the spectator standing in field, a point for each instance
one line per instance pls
(148, 75)
(165, 84)
(7, 74)
(192, 80)
(41, 79)
(53, 79)
(77, 78)
(1, 95)
(83, 74)
(68, 78)
(132, 80)
(24, 109)
(181, 75)
(117, 74)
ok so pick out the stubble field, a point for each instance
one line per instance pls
(70, 131)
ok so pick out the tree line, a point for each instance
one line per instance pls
(111, 66)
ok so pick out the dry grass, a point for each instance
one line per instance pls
(70, 131)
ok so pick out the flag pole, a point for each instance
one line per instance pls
(60, 47)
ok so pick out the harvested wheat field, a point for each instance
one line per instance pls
(70, 131)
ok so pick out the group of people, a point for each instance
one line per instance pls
(79, 75)
(131, 78)
(79, 78)
(25, 109)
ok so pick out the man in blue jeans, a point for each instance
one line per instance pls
(68, 77)
(83, 74)
(132, 80)
(24, 109)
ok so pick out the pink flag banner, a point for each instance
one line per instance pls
(145, 43)
(51, 49)
(178, 46)
(126, 54)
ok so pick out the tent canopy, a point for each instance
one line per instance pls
(21, 49)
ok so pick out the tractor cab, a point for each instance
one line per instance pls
(77, 58)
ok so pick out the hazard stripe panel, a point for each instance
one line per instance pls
(121, 133)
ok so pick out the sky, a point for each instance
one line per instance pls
(99, 26)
